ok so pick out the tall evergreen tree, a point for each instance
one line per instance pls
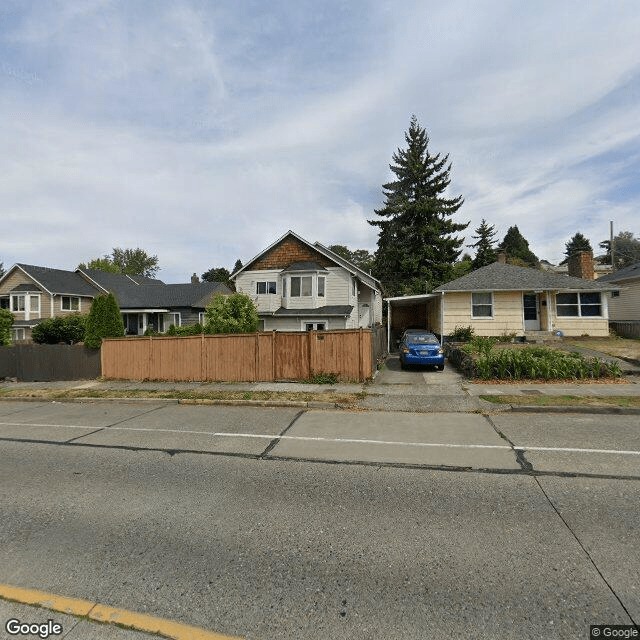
(416, 247)
(577, 243)
(517, 248)
(626, 249)
(485, 253)
(237, 266)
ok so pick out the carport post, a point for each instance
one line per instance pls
(441, 318)
(388, 326)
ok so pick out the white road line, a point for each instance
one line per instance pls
(335, 440)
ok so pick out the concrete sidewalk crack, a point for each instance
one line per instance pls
(586, 552)
(276, 440)
(525, 465)
(144, 413)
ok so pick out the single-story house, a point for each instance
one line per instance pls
(301, 286)
(504, 299)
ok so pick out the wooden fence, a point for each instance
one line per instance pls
(48, 362)
(255, 357)
(628, 329)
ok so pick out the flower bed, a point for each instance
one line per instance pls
(479, 359)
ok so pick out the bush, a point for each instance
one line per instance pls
(69, 329)
(231, 314)
(104, 321)
(462, 334)
(6, 322)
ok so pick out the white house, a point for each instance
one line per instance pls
(300, 286)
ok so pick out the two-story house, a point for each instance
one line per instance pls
(300, 286)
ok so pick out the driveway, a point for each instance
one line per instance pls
(420, 388)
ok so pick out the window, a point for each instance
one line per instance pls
(70, 303)
(314, 326)
(34, 304)
(284, 287)
(300, 286)
(265, 287)
(615, 294)
(201, 317)
(17, 303)
(576, 305)
(482, 305)
(174, 318)
(4, 302)
(17, 335)
(320, 286)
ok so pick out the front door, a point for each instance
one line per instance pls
(531, 308)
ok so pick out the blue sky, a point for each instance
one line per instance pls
(202, 131)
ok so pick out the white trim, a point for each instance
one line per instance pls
(70, 310)
(305, 322)
(492, 316)
(579, 305)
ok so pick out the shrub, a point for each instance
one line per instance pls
(231, 314)
(104, 321)
(462, 334)
(324, 378)
(6, 322)
(190, 330)
(507, 337)
(69, 329)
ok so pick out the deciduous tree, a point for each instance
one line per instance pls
(231, 314)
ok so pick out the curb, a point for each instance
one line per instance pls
(587, 409)
(109, 615)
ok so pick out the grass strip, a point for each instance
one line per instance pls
(300, 396)
(564, 401)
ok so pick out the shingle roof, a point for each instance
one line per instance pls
(60, 281)
(329, 310)
(26, 287)
(508, 277)
(632, 271)
(110, 281)
(150, 296)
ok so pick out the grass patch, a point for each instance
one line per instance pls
(565, 400)
(301, 396)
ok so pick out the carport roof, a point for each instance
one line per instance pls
(409, 300)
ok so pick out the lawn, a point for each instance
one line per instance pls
(625, 348)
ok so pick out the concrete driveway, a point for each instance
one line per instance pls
(420, 389)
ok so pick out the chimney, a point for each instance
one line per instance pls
(581, 265)
(502, 257)
(194, 279)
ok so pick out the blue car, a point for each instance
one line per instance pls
(421, 347)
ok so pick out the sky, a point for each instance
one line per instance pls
(202, 131)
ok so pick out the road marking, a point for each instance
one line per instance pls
(216, 434)
(109, 615)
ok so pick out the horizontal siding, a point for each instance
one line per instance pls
(627, 305)
(507, 314)
(582, 326)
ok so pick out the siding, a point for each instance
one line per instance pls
(627, 305)
(573, 326)
(507, 314)
(17, 277)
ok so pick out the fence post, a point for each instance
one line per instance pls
(360, 364)
(309, 347)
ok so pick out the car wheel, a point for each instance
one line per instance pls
(440, 367)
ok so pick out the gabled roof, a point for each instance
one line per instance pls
(508, 277)
(632, 271)
(153, 296)
(58, 280)
(367, 278)
(109, 281)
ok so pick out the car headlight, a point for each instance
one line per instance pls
(440, 351)
(405, 350)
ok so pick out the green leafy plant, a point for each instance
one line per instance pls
(507, 337)
(6, 322)
(324, 378)
(104, 321)
(462, 334)
(231, 314)
(69, 329)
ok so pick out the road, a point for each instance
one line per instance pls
(272, 523)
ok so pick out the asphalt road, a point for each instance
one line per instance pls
(269, 523)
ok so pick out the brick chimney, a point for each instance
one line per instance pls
(194, 279)
(502, 257)
(581, 265)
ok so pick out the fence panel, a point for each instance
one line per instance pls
(241, 357)
(629, 329)
(49, 362)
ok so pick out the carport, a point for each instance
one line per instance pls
(423, 311)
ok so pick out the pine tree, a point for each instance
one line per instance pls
(237, 266)
(577, 243)
(517, 248)
(485, 253)
(416, 248)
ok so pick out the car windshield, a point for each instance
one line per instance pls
(421, 338)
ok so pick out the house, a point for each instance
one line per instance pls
(504, 299)
(34, 293)
(624, 304)
(300, 286)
